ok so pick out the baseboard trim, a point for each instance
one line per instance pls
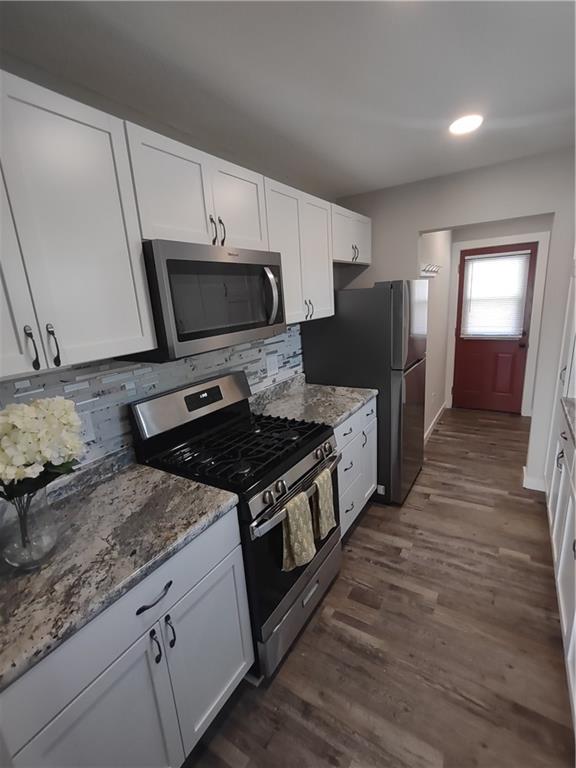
(434, 422)
(533, 483)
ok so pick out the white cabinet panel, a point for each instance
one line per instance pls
(317, 276)
(369, 455)
(566, 575)
(352, 236)
(211, 645)
(342, 235)
(126, 717)
(19, 330)
(172, 187)
(68, 179)
(283, 213)
(239, 205)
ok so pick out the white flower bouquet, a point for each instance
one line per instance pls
(39, 442)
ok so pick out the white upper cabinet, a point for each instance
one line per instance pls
(352, 236)
(239, 206)
(283, 211)
(317, 274)
(21, 349)
(185, 194)
(70, 190)
(172, 183)
(299, 228)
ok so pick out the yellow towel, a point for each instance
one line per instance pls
(324, 518)
(299, 547)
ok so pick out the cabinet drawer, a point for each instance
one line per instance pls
(353, 426)
(351, 504)
(49, 686)
(350, 466)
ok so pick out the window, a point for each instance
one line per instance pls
(494, 295)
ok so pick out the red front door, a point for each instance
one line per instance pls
(495, 290)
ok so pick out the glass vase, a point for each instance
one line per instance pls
(29, 532)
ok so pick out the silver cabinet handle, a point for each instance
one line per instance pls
(30, 335)
(310, 594)
(272, 280)
(350, 508)
(52, 332)
(357, 253)
(213, 223)
(307, 309)
(563, 374)
(353, 253)
(349, 432)
(563, 435)
(161, 596)
(349, 466)
(365, 439)
(312, 305)
(559, 459)
(223, 230)
(370, 412)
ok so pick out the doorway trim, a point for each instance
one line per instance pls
(543, 240)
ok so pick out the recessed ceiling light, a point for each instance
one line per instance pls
(466, 124)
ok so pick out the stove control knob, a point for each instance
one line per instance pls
(319, 454)
(281, 487)
(268, 497)
(328, 448)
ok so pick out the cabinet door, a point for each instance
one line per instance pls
(369, 459)
(69, 184)
(343, 235)
(315, 236)
(19, 331)
(125, 717)
(283, 213)
(239, 205)
(211, 645)
(565, 577)
(364, 240)
(172, 188)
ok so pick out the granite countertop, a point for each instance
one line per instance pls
(115, 530)
(295, 399)
(569, 408)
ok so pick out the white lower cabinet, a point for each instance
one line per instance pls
(126, 717)
(356, 441)
(149, 704)
(208, 646)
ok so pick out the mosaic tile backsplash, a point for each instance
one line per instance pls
(103, 390)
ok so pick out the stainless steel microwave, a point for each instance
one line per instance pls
(206, 297)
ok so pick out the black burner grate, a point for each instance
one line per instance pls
(239, 456)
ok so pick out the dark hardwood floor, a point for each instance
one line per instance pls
(439, 643)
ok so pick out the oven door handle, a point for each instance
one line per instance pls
(275, 297)
(257, 530)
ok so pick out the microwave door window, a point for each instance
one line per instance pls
(210, 298)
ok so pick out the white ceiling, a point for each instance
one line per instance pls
(335, 97)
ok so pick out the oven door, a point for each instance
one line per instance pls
(272, 590)
(207, 297)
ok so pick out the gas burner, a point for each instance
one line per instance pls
(291, 434)
(243, 468)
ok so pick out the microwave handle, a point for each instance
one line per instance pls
(275, 296)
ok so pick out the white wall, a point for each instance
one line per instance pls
(435, 248)
(529, 187)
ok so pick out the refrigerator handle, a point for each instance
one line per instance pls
(406, 323)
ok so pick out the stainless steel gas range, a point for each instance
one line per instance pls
(208, 433)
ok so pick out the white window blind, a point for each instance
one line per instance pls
(494, 295)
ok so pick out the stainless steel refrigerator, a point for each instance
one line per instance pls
(377, 339)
